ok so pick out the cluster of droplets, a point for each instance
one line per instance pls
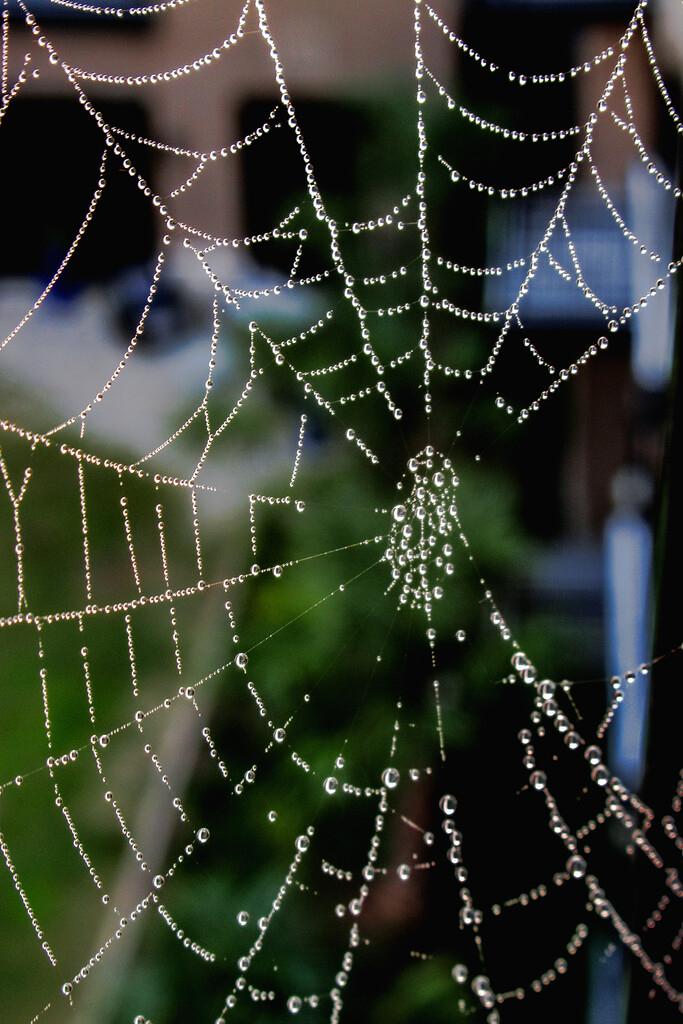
(422, 522)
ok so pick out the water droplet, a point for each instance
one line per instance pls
(203, 835)
(241, 660)
(390, 777)
(302, 843)
(399, 513)
(279, 735)
(461, 635)
(576, 866)
(272, 815)
(467, 915)
(593, 755)
(243, 917)
(448, 803)
(403, 872)
(294, 1004)
(538, 780)
(546, 689)
(330, 784)
(158, 881)
(481, 985)
(460, 974)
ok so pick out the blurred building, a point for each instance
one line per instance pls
(339, 50)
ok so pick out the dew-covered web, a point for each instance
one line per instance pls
(245, 638)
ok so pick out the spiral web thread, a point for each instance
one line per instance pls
(176, 604)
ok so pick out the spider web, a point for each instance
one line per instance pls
(247, 637)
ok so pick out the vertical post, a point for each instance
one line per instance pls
(664, 757)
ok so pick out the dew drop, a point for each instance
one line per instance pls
(460, 974)
(294, 1004)
(481, 986)
(203, 835)
(448, 803)
(330, 784)
(399, 513)
(390, 777)
(243, 917)
(302, 843)
(576, 866)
